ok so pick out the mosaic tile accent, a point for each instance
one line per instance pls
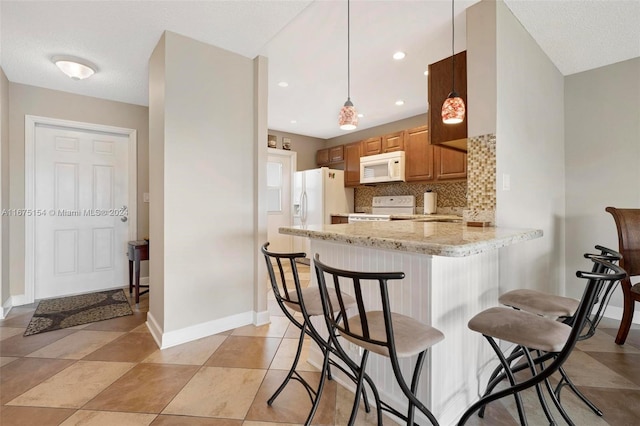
(452, 196)
(481, 178)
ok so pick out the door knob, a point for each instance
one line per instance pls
(124, 219)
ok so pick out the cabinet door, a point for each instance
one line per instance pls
(371, 146)
(393, 142)
(322, 157)
(450, 164)
(419, 155)
(439, 87)
(352, 154)
(336, 154)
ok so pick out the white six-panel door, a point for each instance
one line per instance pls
(81, 211)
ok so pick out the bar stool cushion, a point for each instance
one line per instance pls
(522, 328)
(313, 302)
(537, 302)
(411, 336)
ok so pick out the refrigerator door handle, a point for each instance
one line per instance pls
(303, 209)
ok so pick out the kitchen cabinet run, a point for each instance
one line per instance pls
(352, 154)
(439, 87)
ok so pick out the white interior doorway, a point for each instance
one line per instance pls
(281, 167)
(81, 189)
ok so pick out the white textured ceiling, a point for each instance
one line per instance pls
(305, 42)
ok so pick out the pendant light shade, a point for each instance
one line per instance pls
(348, 118)
(453, 109)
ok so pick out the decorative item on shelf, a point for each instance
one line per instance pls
(348, 118)
(286, 143)
(272, 141)
(453, 108)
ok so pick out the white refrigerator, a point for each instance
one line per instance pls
(317, 194)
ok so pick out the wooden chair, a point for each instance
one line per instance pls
(628, 224)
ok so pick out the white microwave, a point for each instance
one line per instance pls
(387, 167)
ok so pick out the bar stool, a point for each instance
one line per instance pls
(383, 332)
(292, 298)
(563, 309)
(551, 340)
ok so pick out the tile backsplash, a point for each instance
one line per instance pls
(452, 196)
(481, 173)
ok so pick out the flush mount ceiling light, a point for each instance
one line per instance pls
(453, 108)
(348, 118)
(283, 84)
(77, 69)
(399, 55)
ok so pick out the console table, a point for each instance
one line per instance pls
(138, 250)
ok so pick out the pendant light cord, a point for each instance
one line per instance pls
(348, 51)
(453, 56)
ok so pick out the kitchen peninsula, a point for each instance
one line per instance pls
(451, 273)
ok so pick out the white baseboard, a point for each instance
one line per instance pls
(261, 318)
(198, 331)
(6, 307)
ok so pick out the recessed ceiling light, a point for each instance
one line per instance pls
(293, 121)
(399, 55)
(360, 115)
(426, 72)
(400, 102)
(76, 68)
(283, 84)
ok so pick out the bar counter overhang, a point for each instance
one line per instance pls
(451, 273)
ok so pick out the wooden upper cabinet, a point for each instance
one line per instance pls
(371, 146)
(322, 157)
(336, 154)
(439, 87)
(352, 154)
(329, 156)
(393, 142)
(449, 163)
(418, 155)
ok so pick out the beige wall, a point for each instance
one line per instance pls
(5, 287)
(304, 146)
(29, 100)
(208, 147)
(602, 110)
(530, 149)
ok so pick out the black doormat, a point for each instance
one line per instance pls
(63, 312)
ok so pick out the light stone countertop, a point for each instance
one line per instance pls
(431, 238)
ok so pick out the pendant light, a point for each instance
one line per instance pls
(348, 119)
(453, 108)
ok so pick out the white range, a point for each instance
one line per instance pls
(384, 206)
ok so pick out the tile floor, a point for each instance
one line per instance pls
(112, 373)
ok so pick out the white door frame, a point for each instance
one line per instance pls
(293, 162)
(30, 123)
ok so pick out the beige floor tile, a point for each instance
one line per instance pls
(344, 405)
(276, 328)
(245, 352)
(603, 342)
(286, 353)
(163, 420)
(76, 345)
(74, 386)
(293, 404)
(6, 332)
(18, 318)
(218, 392)
(584, 370)
(126, 323)
(619, 408)
(192, 353)
(25, 373)
(105, 418)
(19, 345)
(131, 347)
(27, 416)
(146, 388)
(142, 328)
(625, 364)
(4, 360)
